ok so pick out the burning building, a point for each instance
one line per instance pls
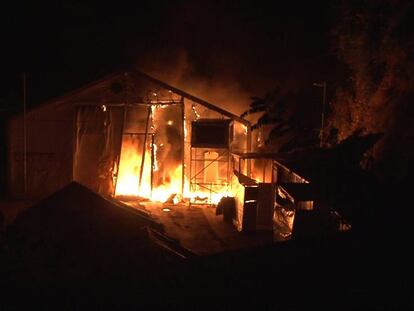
(127, 134)
(132, 137)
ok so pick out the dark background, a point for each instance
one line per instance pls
(63, 44)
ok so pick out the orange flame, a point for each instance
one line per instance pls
(129, 175)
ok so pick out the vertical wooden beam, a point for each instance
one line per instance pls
(74, 139)
(144, 147)
(24, 138)
(249, 148)
(183, 145)
(152, 161)
(118, 160)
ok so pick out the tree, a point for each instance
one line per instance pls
(289, 123)
(374, 39)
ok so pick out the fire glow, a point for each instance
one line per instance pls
(129, 175)
(155, 176)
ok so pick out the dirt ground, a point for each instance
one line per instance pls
(199, 229)
(195, 227)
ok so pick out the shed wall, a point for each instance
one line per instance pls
(49, 153)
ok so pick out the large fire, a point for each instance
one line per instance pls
(171, 188)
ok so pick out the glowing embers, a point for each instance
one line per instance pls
(206, 197)
(170, 186)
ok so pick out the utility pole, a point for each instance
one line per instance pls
(24, 138)
(323, 85)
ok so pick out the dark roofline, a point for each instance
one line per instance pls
(279, 158)
(57, 99)
(258, 155)
(301, 191)
(152, 79)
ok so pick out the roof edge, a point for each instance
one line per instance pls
(147, 77)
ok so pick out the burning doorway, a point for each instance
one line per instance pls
(151, 156)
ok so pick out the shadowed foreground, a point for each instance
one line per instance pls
(78, 250)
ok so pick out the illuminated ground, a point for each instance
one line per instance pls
(198, 229)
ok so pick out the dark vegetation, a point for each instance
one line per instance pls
(373, 44)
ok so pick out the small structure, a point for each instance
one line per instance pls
(256, 180)
(275, 196)
(210, 149)
(301, 195)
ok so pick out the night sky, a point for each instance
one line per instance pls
(62, 45)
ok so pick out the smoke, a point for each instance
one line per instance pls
(175, 68)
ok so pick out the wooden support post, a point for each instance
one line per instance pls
(144, 147)
(118, 158)
(24, 138)
(152, 161)
(183, 146)
(249, 149)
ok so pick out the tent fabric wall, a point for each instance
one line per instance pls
(97, 141)
(48, 154)
(51, 139)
